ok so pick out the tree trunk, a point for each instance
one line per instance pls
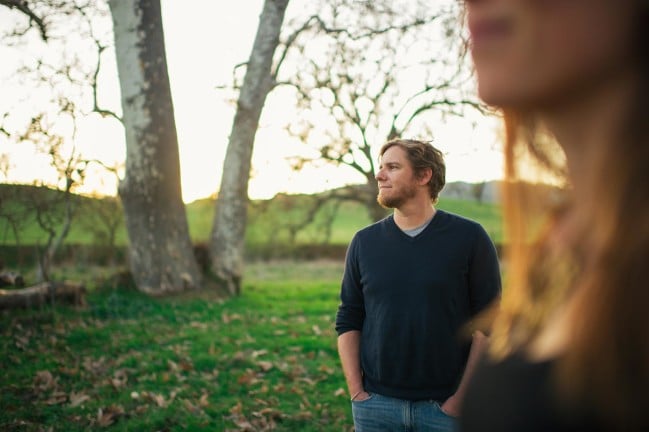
(160, 249)
(229, 226)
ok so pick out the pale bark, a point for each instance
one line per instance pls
(160, 250)
(229, 227)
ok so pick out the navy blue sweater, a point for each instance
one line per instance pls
(409, 297)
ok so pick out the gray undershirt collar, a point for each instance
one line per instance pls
(414, 231)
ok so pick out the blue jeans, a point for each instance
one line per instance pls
(384, 414)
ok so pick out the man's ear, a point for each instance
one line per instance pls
(425, 176)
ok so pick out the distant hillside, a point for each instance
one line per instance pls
(280, 220)
(489, 192)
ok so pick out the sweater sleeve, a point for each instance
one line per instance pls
(484, 273)
(351, 311)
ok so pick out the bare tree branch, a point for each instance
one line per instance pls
(24, 7)
(93, 82)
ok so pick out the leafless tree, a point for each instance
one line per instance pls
(160, 250)
(62, 90)
(230, 219)
(357, 86)
(161, 255)
(55, 212)
(104, 216)
(348, 62)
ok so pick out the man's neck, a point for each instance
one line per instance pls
(413, 215)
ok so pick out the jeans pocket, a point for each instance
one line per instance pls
(371, 395)
(439, 407)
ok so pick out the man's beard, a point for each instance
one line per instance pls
(397, 200)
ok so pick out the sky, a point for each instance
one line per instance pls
(204, 41)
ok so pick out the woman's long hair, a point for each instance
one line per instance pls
(603, 268)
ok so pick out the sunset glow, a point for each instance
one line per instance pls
(202, 50)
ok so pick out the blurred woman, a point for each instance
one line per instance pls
(569, 347)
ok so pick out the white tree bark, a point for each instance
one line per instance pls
(229, 227)
(160, 250)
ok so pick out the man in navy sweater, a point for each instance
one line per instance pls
(412, 283)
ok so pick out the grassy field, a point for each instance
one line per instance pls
(263, 361)
(270, 221)
(266, 360)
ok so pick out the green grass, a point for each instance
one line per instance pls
(127, 362)
(489, 215)
(269, 224)
(266, 360)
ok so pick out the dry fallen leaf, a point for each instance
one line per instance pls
(191, 407)
(258, 353)
(237, 409)
(77, 399)
(21, 342)
(308, 380)
(95, 366)
(303, 415)
(157, 398)
(173, 366)
(203, 402)
(265, 365)
(107, 416)
(186, 365)
(119, 379)
(244, 425)
(326, 369)
(71, 371)
(268, 412)
(44, 380)
(239, 355)
(140, 409)
(227, 319)
(198, 325)
(249, 377)
(56, 398)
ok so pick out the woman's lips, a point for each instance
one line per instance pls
(489, 30)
